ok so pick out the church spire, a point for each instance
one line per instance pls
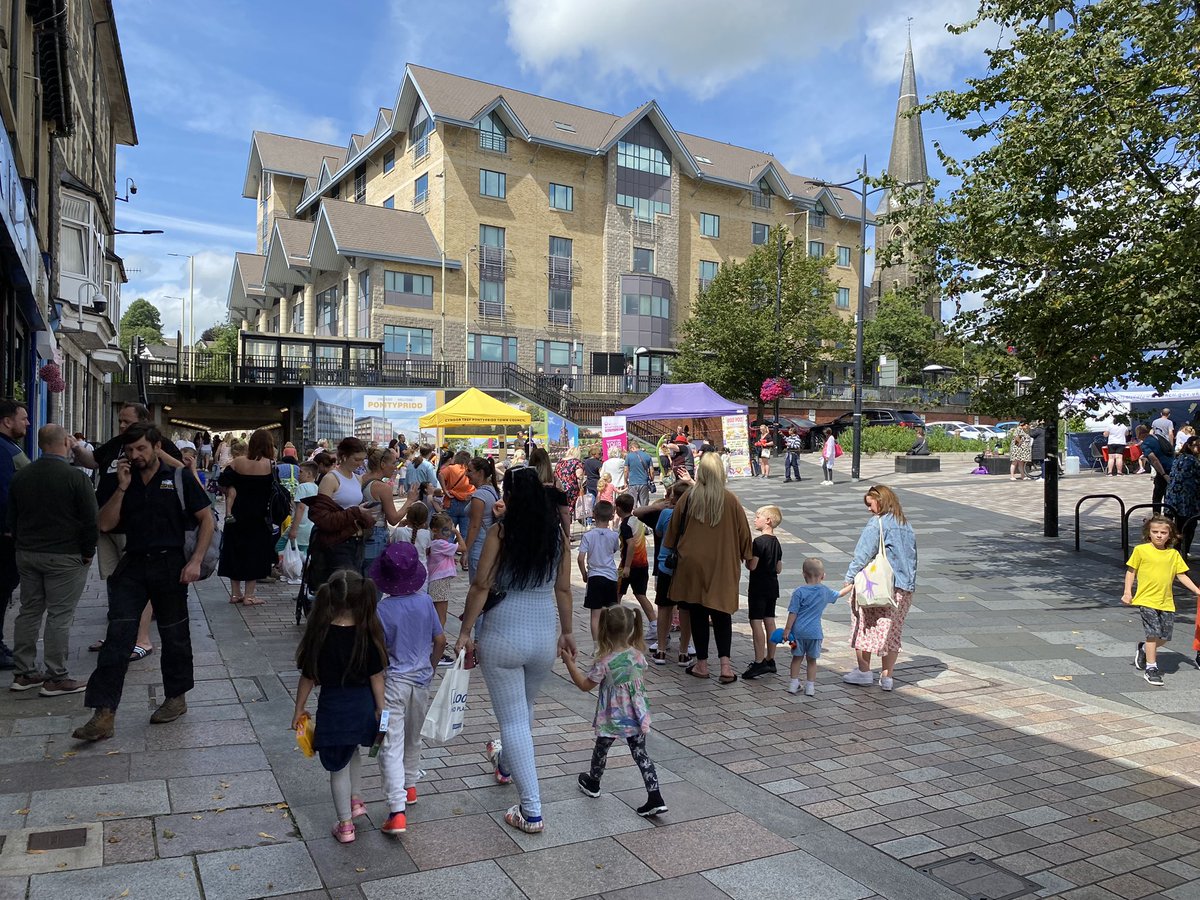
(907, 162)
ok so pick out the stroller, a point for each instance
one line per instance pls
(320, 563)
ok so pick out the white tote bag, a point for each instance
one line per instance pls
(444, 721)
(875, 584)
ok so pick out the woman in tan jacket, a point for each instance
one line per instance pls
(712, 537)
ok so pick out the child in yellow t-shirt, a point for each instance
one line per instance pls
(1155, 565)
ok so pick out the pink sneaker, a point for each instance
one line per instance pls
(357, 808)
(344, 832)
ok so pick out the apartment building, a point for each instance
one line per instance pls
(65, 106)
(472, 221)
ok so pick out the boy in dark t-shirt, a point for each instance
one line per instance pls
(764, 566)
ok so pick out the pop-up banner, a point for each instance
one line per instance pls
(737, 439)
(613, 434)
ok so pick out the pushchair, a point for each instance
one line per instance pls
(320, 562)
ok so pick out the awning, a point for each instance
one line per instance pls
(474, 407)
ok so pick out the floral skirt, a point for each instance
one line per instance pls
(878, 629)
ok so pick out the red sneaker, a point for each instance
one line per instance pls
(396, 823)
(410, 795)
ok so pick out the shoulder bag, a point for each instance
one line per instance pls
(875, 584)
(671, 561)
(212, 556)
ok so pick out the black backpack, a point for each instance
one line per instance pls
(279, 505)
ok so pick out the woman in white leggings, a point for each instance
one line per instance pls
(519, 583)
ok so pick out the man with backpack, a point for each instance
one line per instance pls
(145, 505)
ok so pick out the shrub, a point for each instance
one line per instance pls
(897, 439)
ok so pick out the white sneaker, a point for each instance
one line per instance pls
(885, 683)
(810, 688)
(794, 686)
(691, 649)
(858, 676)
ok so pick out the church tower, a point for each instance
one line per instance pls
(906, 165)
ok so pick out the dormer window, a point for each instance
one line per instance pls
(492, 134)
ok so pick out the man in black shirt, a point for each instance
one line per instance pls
(591, 469)
(145, 504)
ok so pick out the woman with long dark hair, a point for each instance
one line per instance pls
(524, 573)
(248, 548)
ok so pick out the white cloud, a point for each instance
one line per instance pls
(163, 280)
(139, 218)
(702, 45)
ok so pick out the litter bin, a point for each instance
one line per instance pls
(1072, 466)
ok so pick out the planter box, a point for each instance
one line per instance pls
(997, 465)
(909, 464)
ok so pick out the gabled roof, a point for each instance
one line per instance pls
(345, 229)
(383, 123)
(246, 294)
(283, 155)
(287, 255)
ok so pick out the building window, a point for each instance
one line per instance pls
(421, 192)
(364, 303)
(643, 260)
(492, 134)
(644, 172)
(710, 225)
(843, 256)
(759, 233)
(647, 305)
(390, 202)
(558, 310)
(816, 218)
(262, 207)
(491, 299)
(708, 271)
(816, 249)
(759, 200)
(327, 312)
(562, 196)
(555, 356)
(843, 298)
(491, 184)
(492, 348)
(491, 253)
(401, 340)
(406, 289)
(418, 133)
(297, 314)
(360, 183)
(389, 160)
(559, 270)
(81, 244)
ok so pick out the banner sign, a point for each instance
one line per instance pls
(736, 433)
(613, 434)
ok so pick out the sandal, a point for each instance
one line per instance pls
(357, 808)
(727, 679)
(236, 598)
(140, 652)
(252, 600)
(691, 670)
(96, 647)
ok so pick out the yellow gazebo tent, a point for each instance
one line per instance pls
(474, 407)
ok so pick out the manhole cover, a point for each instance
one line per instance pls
(66, 839)
(978, 879)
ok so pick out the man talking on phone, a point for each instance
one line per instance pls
(145, 505)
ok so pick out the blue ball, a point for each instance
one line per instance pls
(777, 636)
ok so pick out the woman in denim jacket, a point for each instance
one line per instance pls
(878, 629)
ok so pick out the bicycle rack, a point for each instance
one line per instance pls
(1125, 520)
(1120, 502)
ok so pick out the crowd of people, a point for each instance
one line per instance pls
(386, 532)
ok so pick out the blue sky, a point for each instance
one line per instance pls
(815, 83)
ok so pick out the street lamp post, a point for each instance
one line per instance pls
(191, 330)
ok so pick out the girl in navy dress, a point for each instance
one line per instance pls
(343, 651)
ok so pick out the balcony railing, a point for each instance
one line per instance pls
(644, 229)
(420, 201)
(491, 140)
(420, 148)
(561, 268)
(493, 262)
(558, 317)
(491, 309)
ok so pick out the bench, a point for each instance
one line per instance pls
(910, 464)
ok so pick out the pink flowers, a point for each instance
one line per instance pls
(775, 388)
(52, 375)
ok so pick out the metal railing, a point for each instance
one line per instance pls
(491, 140)
(420, 201)
(561, 268)
(558, 317)
(420, 148)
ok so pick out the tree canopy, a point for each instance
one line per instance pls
(1074, 232)
(901, 330)
(141, 319)
(729, 339)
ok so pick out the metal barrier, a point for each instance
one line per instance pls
(1125, 520)
(1096, 497)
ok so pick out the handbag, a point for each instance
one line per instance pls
(875, 583)
(444, 721)
(212, 556)
(279, 504)
(671, 561)
(837, 450)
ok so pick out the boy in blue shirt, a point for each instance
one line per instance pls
(803, 628)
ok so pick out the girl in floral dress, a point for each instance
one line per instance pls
(621, 709)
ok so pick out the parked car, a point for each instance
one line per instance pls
(967, 431)
(803, 427)
(905, 418)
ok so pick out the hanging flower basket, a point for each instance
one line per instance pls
(774, 389)
(51, 374)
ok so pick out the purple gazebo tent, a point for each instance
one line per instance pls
(682, 401)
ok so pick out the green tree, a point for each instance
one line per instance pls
(142, 320)
(729, 339)
(1077, 225)
(902, 331)
(217, 362)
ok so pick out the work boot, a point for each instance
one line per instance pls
(102, 724)
(172, 708)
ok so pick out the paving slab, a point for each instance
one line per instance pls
(252, 826)
(781, 877)
(159, 879)
(101, 802)
(373, 856)
(451, 842)
(702, 844)
(257, 872)
(579, 819)
(576, 870)
(476, 879)
(212, 792)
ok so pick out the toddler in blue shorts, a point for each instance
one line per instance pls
(803, 626)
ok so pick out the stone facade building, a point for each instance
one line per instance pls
(478, 222)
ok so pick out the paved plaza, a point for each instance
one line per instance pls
(1020, 755)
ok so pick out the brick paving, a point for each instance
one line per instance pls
(975, 777)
